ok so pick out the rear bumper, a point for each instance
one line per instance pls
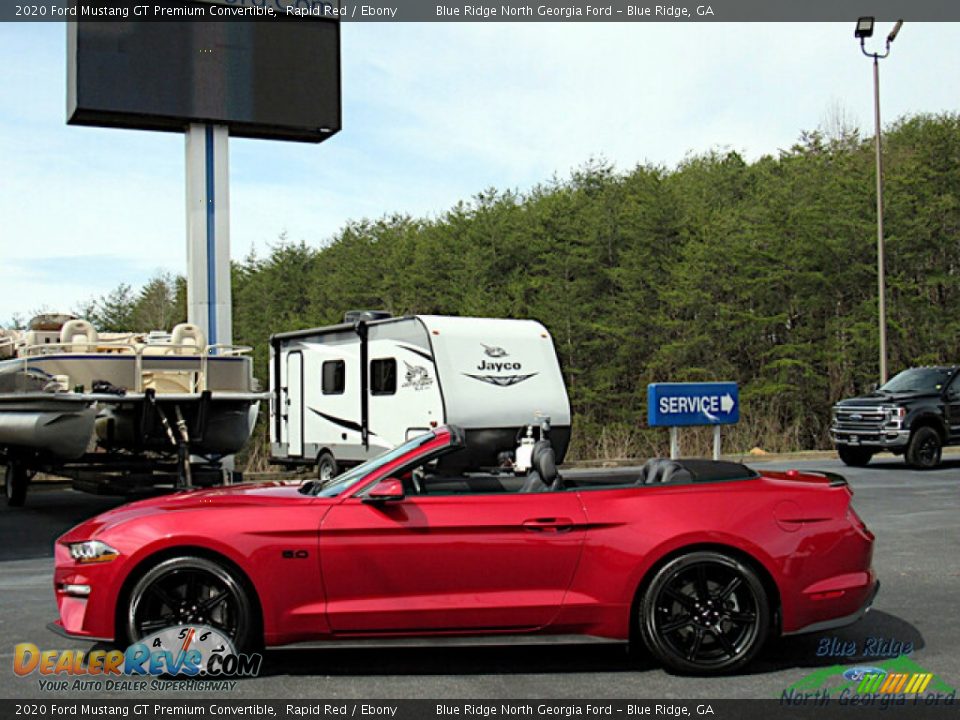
(833, 623)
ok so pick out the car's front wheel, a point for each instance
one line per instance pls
(704, 613)
(190, 590)
(854, 456)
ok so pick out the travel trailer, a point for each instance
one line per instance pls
(345, 393)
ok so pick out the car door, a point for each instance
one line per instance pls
(450, 562)
(293, 417)
(953, 408)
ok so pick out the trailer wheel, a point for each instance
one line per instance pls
(15, 484)
(326, 467)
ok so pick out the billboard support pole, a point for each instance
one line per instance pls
(208, 232)
(716, 442)
(674, 442)
(208, 237)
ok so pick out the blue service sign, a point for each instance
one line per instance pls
(671, 404)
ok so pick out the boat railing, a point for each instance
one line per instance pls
(203, 354)
(97, 348)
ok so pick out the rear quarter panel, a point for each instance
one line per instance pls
(795, 532)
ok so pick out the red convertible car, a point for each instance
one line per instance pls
(699, 561)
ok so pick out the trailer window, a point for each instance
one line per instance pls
(383, 376)
(334, 377)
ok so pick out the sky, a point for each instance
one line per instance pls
(433, 113)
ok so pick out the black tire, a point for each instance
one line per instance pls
(190, 589)
(327, 467)
(15, 484)
(854, 456)
(705, 613)
(924, 449)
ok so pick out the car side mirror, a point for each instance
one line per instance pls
(387, 490)
(873, 387)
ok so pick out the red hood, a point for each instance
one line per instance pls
(249, 494)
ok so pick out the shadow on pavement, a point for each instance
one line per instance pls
(781, 654)
(886, 464)
(30, 531)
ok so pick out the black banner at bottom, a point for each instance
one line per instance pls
(468, 709)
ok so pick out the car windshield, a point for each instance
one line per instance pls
(918, 380)
(338, 484)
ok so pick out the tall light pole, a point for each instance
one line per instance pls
(863, 31)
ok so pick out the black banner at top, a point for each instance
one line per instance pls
(482, 10)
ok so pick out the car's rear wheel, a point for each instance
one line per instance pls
(705, 613)
(854, 456)
(190, 590)
(925, 449)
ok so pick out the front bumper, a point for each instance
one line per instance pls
(89, 616)
(879, 438)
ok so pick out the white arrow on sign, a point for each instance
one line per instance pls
(726, 403)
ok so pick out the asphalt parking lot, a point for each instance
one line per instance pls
(913, 515)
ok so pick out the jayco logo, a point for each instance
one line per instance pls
(494, 351)
(498, 366)
(489, 366)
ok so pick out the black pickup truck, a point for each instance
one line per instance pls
(915, 414)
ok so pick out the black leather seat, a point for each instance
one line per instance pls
(658, 471)
(544, 477)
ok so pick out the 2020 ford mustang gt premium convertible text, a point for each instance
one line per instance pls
(699, 561)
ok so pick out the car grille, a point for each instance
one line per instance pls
(853, 419)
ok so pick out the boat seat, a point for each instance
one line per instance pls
(78, 336)
(190, 335)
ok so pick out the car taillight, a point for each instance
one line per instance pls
(858, 522)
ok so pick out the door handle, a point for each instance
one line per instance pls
(548, 524)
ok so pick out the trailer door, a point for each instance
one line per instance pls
(294, 401)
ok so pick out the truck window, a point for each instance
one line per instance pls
(383, 376)
(334, 377)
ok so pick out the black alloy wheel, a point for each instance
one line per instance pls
(705, 613)
(188, 591)
(15, 484)
(925, 448)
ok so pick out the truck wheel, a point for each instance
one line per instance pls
(854, 456)
(15, 482)
(924, 449)
(326, 467)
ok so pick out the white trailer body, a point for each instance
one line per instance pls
(357, 389)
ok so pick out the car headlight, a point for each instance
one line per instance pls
(92, 551)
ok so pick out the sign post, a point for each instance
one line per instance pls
(208, 232)
(677, 405)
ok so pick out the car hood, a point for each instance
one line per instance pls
(253, 495)
(875, 399)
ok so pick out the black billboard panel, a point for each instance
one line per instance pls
(277, 79)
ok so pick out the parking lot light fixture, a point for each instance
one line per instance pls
(864, 28)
